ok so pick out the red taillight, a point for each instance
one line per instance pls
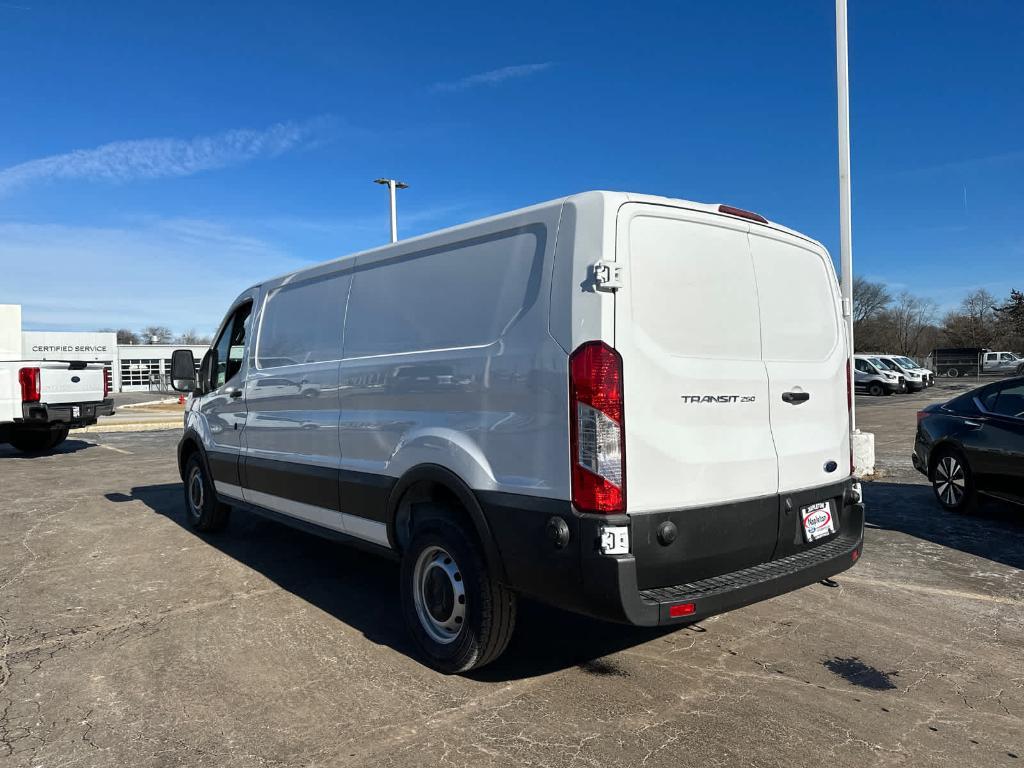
(106, 382)
(742, 213)
(597, 434)
(683, 609)
(854, 555)
(921, 415)
(29, 380)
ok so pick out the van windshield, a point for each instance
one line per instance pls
(881, 364)
(907, 362)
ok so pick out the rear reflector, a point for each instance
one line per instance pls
(742, 213)
(106, 382)
(854, 555)
(683, 609)
(29, 380)
(597, 437)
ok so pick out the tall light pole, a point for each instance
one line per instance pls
(392, 185)
(845, 220)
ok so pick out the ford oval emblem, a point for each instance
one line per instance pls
(831, 466)
(75, 379)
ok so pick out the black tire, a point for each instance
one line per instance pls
(38, 440)
(458, 614)
(952, 373)
(875, 389)
(204, 511)
(953, 481)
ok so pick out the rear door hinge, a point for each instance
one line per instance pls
(608, 276)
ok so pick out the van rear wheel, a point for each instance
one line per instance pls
(460, 617)
(205, 512)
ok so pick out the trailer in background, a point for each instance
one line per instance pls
(957, 361)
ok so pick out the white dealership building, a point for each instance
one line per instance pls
(133, 367)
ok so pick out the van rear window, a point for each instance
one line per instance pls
(798, 306)
(415, 303)
(692, 289)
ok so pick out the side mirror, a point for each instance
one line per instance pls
(183, 371)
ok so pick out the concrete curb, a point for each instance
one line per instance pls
(132, 426)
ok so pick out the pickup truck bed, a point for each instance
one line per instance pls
(40, 400)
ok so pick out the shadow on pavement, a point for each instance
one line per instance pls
(995, 531)
(68, 446)
(361, 590)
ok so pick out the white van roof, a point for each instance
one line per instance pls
(607, 199)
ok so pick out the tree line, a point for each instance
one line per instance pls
(157, 334)
(911, 325)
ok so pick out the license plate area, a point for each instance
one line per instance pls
(818, 521)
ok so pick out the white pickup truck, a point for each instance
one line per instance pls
(40, 400)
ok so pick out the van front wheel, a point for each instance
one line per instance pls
(204, 510)
(459, 615)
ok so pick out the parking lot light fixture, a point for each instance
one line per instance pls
(392, 185)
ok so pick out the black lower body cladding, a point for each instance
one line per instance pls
(721, 557)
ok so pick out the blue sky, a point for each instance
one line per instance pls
(157, 158)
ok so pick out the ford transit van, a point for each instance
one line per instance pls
(632, 407)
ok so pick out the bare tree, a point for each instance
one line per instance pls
(974, 323)
(156, 334)
(911, 320)
(869, 299)
(189, 337)
(124, 336)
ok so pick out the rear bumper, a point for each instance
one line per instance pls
(718, 594)
(71, 415)
(578, 577)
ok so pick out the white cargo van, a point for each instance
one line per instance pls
(628, 406)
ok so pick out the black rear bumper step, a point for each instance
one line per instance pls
(739, 588)
(757, 574)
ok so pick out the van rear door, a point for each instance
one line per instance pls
(698, 430)
(804, 352)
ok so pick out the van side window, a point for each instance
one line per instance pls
(862, 366)
(230, 346)
(407, 304)
(302, 322)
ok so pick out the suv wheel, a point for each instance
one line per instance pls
(459, 615)
(953, 481)
(204, 511)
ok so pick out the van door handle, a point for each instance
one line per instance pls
(795, 398)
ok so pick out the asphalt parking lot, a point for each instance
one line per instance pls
(127, 639)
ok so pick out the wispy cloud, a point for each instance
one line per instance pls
(123, 161)
(492, 77)
(179, 272)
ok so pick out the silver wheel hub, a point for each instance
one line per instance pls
(950, 481)
(439, 594)
(196, 491)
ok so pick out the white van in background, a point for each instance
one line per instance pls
(628, 406)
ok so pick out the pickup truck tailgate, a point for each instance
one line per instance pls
(61, 383)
